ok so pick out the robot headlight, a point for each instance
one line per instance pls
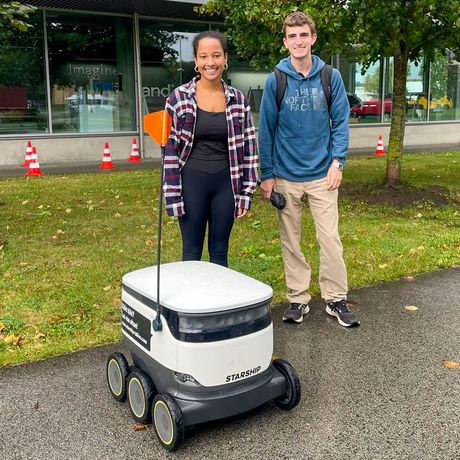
(185, 378)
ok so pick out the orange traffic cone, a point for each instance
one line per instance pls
(34, 167)
(106, 159)
(134, 153)
(380, 151)
(28, 155)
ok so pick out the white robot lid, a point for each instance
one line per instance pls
(198, 287)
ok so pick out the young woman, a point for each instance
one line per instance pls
(211, 155)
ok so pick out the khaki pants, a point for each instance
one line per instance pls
(323, 207)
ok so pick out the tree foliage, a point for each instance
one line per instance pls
(407, 30)
(15, 15)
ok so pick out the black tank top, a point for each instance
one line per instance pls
(210, 145)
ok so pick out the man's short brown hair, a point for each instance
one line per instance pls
(299, 19)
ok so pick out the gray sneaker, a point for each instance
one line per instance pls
(295, 312)
(344, 316)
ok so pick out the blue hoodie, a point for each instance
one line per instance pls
(300, 145)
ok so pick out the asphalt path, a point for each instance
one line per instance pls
(85, 167)
(375, 392)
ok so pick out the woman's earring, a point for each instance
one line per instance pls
(196, 69)
(225, 66)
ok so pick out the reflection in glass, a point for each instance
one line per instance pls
(167, 59)
(363, 91)
(23, 107)
(91, 73)
(416, 92)
(444, 87)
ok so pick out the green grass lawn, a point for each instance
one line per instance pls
(66, 242)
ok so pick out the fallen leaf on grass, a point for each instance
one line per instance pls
(56, 319)
(23, 264)
(383, 266)
(116, 300)
(14, 340)
(411, 308)
(149, 242)
(117, 214)
(25, 202)
(2, 326)
(68, 210)
(139, 427)
(7, 275)
(107, 288)
(450, 364)
(2, 336)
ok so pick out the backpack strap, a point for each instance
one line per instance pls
(325, 74)
(280, 87)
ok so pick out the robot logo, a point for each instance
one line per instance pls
(242, 375)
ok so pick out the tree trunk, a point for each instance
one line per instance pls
(398, 120)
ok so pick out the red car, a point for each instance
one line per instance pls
(372, 107)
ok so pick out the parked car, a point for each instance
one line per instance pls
(372, 107)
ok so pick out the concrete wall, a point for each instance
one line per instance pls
(71, 149)
(435, 134)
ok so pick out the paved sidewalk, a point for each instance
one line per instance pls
(123, 165)
(377, 392)
(80, 167)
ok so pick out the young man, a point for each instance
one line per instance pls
(302, 147)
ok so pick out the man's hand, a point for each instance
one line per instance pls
(267, 187)
(334, 178)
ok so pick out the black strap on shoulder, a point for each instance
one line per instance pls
(280, 86)
(325, 74)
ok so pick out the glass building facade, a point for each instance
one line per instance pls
(94, 72)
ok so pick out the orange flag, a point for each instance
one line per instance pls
(158, 126)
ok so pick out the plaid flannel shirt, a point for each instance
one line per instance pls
(242, 147)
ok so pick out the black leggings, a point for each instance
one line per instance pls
(208, 200)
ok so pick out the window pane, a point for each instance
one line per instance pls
(23, 107)
(445, 85)
(363, 91)
(453, 83)
(167, 59)
(91, 73)
(416, 92)
(242, 76)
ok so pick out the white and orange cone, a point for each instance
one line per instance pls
(134, 153)
(380, 151)
(34, 167)
(28, 155)
(106, 159)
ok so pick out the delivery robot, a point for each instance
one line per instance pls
(205, 353)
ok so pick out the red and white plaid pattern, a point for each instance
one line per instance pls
(242, 147)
